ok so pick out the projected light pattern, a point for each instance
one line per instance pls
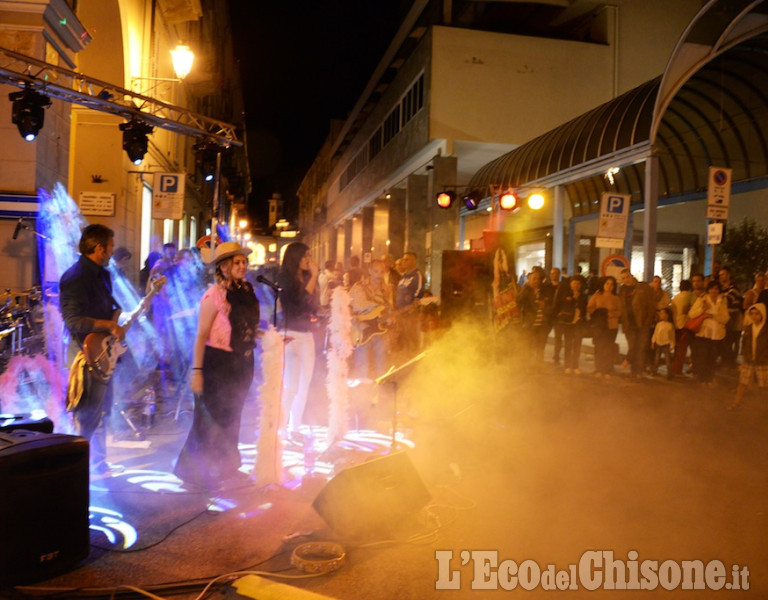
(114, 527)
(32, 384)
(175, 310)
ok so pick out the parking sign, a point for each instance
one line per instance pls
(614, 216)
(168, 196)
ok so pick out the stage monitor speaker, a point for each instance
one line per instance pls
(372, 497)
(43, 505)
(25, 421)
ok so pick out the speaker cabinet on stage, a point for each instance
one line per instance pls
(43, 505)
(372, 497)
(25, 421)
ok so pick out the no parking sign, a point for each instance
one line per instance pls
(613, 265)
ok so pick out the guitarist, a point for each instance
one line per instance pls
(370, 296)
(87, 305)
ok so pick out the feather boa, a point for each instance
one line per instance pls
(269, 458)
(339, 349)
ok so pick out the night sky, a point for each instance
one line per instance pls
(303, 63)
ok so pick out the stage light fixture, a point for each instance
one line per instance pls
(135, 142)
(472, 199)
(205, 159)
(509, 201)
(28, 112)
(536, 201)
(445, 199)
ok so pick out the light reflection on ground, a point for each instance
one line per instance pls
(122, 534)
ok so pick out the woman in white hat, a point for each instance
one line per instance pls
(222, 371)
(298, 280)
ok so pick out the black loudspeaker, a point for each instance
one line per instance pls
(43, 505)
(372, 497)
(465, 286)
(25, 421)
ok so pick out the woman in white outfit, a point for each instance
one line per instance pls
(298, 280)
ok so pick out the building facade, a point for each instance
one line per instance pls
(120, 46)
(455, 90)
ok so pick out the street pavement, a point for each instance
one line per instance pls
(525, 467)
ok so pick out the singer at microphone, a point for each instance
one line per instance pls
(265, 281)
(19, 225)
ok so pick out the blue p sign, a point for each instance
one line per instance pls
(614, 204)
(169, 184)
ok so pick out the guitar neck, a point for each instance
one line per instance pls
(141, 307)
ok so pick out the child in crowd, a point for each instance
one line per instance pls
(754, 351)
(663, 341)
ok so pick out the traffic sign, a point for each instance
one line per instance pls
(614, 216)
(613, 265)
(718, 193)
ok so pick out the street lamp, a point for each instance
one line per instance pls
(182, 57)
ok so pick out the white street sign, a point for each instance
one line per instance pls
(714, 233)
(168, 196)
(614, 216)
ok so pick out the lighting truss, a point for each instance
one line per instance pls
(76, 88)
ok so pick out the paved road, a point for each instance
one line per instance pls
(518, 459)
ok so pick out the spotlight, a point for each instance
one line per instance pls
(205, 159)
(27, 112)
(472, 200)
(509, 201)
(135, 142)
(445, 199)
(536, 201)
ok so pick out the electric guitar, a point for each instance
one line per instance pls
(102, 349)
(379, 320)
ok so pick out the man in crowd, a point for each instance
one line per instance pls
(730, 346)
(557, 288)
(639, 311)
(371, 302)
(87, 306)
(409, 289)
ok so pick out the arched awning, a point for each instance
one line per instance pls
(709, 108)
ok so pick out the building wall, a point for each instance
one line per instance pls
(410, 139)
(506, 88)
(648, 31)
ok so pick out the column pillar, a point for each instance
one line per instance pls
(416, 219)
(397, 222)
(558, 226)
(650, 215)
(444, 229)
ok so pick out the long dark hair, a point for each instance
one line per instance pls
(292, 258)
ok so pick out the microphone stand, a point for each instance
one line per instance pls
(384, 379)
(40, 235)
(274, 309)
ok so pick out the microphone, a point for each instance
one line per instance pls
(265, 281)
(19, 225)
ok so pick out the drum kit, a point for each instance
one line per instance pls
(22, 323)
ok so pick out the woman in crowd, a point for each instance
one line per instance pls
(571, 312)
(711, 333)
(753, 293)
(298, 280)
(604, 310)
(222, 371)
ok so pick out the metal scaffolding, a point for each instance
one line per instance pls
(76, 88)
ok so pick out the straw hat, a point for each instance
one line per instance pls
(223, 251)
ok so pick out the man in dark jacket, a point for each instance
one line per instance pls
(87, 306)
(639, 311)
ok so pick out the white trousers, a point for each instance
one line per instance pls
(299, 365)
